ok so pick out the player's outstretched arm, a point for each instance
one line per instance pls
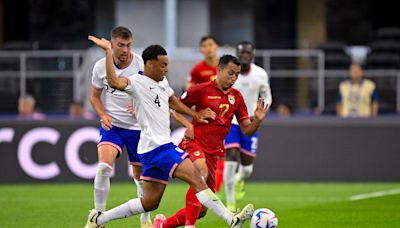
(112, 79)
(180, 107)
(250, 127)
(181, 119)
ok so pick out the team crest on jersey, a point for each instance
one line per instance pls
(231, 99)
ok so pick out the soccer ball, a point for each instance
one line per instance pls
(264, 218)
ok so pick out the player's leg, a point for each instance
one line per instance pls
(131, 139)
(188, 173)
(219, 174)
(232, 145)
(192, 204)
(150, 201)
(158, 166)
(231, 164)
(247, 155)
(189, 215)
(108, 149)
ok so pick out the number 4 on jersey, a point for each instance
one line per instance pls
(157, 101)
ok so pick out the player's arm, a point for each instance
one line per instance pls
(265, 91)
(180, 107)
(98, 106)
(250, 127)
(112, 79)
(181, 119)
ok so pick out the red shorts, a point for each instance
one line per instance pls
(195, 152)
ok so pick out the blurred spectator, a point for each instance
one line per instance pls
(285, 110)
(357, 97)
(26, 107)
(206, 69)
(77, 112)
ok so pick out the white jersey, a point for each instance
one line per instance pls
(253, 85)
(116, 102)
(151, 104)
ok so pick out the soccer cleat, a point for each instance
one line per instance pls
(239, 188)
(240, 217)
(92, 219)
(231, 206)
(158, 221)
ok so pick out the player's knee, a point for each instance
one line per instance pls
(203, 213)
(247, 170)
(136, 171)
(104, 169)
(150, 205)
(231, 154)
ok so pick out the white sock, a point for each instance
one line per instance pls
(102, 186)
(229, 180)
(139, 187)
(132, 207)
(212, 202)
(245, 171)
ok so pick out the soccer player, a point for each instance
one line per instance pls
(161, 159)
(206, 69)
(208, 143)
(241, 149)
(118, 127)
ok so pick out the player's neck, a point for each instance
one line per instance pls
(245, 69)
(213, 61)
(219, 86)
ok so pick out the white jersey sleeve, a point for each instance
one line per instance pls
(96, 81)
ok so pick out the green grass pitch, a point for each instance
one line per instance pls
(296, 204)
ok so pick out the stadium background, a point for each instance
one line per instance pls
(305, 45)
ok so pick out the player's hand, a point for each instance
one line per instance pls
(130, 109)
(103, 43)
(189, 133)
(106, 122)
(261, 110)
(205, 114)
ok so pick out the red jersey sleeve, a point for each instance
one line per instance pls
(189, 98)
(241, 111)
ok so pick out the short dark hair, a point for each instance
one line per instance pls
(226, 59)
(245, 43)
(121, 32)
(204, 38)
(152, 52)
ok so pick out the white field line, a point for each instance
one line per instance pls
(374, 194)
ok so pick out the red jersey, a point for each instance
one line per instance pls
(202, 72)
(210, 136)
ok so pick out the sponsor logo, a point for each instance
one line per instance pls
(214, 97)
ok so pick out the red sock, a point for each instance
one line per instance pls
(176, 220)
(219, 174)
(193, 207)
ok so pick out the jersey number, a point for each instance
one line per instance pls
(157, 101)
(223, 109)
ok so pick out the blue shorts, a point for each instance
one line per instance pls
(246, 144)
(120, 137)
(159, 164)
